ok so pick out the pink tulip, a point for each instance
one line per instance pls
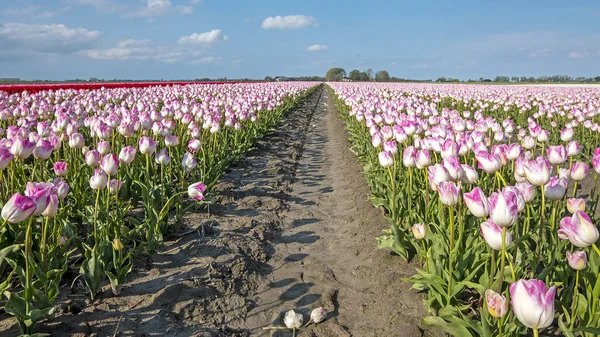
(162, 157)
(538, 171)
(92, 158)
(114, 186)
(477, 202)
(577, 260)
(18, 208)
(196, 191)
(43, 149)
(578, 229)
(386, 159)
(110, 164)
(194, 145)
(76, 141)
(171, 140)
(497, 304)
(127, 155)
(40, 195)
(533, 303)
(575, 204)
(527, 191)
(188, 162)
(423, 158)
(22, 148)
(99, 180)
(391, 147)
(408, 156)
(503, 208)
(488, 162)
(60, 168)
(62, 188)
(556, 154)
(103, 147)
(492, 234)
(573, 148)
(449, 193)
(556, 188)
(437, 174)
(470, 174)
(419, 230)
(5, 158)
(147, 145)
(579, 170)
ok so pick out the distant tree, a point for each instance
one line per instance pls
(441, 79)
(382, 76)
(354, 75)
(335, 74)
(597, 78)
(268, 79)
(369, 73)
(364, 77)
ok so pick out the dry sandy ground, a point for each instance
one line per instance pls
(292, 229)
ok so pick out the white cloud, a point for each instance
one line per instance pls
(195, 2)
(205, 60)
(317, 47)
(289, 22)
(142, 50)
(576, 55)
(33, 11)
(185, 9)
(53, 38)
(539, 53)
(104, 6)
(205, 38)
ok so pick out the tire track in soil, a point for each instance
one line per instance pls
(291, 230)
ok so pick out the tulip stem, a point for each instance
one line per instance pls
(575, 189)
(535, 332)
(501, 178)
(500, 327)
(450, 262)
(27, 290)
(502, 261)
(96, 217)
(44, 238)
(574, 305)
(596, 249)
(541, 235)
(393, 206)
(512, 268)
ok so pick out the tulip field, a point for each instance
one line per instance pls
(92, 178)
(494, 189)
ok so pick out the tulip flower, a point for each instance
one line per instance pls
(577, 260)
(573, 148)
(578, 229)
(527, 191)
(92, 158)
(5, 158)
(103, 147)
(162, 157)
(386, 159)
(538, 171)
(532, 303)
(408, 156)
(99, 180)
(127, 155)
(318, 315)
(52, 207)
(194, 145)
(419, 230)
(488, 162)
(147, 145)
(449, 193)
(492, 234)
(470, 174)
(114, 186)
(477, 202)
(437, 174)
(504, 208)
(60, 168)
(22, 148)
(196, 191)
(556, 154)
(423, 158)
(76, 141)
(497, 304)
(62, 188)
(171, 140)
(18, 208)
(293, 320)
(575, 204)
(188, 162)
(110, 164)
(43, 149)
(40, 195)
(453, 167)
(567, 134)
(556, 188)
(579, 170)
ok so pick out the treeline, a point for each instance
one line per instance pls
(339, 74)
(525, 79)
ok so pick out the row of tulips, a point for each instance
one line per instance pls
(498, 203)
(94, 178)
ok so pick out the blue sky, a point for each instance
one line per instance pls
(186, 39)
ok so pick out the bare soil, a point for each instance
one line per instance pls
(292, 229)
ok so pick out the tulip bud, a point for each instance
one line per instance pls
(162, 157)
(62, 188)
(60, 168)
(98, 180)
(419, 230)
(5, 158)
(293, 320)
(103, 147)
(114, 186)
(504, 208)
(578, 229)
(110, 164)
(471, 176)
(127, 155)
(575, 204)
(147, 145)
(423, 158)
(577, 260)
(43, 149)
(538, 171)
(533, 303)
(196, 191)
(556, 188)
(477, 202)
(18, 208)
(573, 148)
(76, 141)
(527, 191)
(385, 159)
(92, 158)
(188, 162)
(579, 170)
(408, 156)
(117, 244)
(556, 154)
(22, 148)
(171, 140)
(318, 314)
(194, 145)
(449, 193)
(391, 147)
(492, 234)
(488, 162)
(497, 304)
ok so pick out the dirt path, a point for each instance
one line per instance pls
(292, 230)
